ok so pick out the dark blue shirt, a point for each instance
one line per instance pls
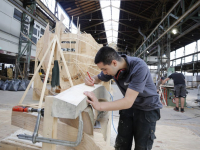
(178, 78)
(139, 79)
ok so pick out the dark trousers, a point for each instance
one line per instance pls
(137, 124)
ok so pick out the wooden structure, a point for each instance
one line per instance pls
(75, 55)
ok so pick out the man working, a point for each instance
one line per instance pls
(159, 83)
(179, 88)
(140, 107)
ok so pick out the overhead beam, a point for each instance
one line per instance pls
(125, 41)
(123, 45)
(116, 38)
(175, 23)
(159, 24)
(115, 20)
(81, 11)
(125, 25)
(118, 44)
(132, 13)
(104, 30)
(187, 31)
(95, 25)
(86, 4)
(118, 32)
(92, 12)
(135, 14)
(148, 25)
(126, 34)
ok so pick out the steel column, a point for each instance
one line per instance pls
(24, 29)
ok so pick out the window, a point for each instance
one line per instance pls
(172, 55)
(42, 31)
(190, 48)
(17, 14)
(178, 61)
(180, 52)
(37, 26)
(34, 39)
(188, 59)
(34, 31)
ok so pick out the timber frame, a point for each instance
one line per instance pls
(75, 55)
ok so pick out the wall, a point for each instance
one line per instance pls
(10, 29)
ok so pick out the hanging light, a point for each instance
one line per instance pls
(90, 18)
(174, 30)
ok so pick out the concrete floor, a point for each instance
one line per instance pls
(174, 130)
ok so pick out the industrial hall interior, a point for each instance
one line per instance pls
(99, 74)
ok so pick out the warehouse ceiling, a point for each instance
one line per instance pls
(135, 16)
(137, 19)
(89, 15)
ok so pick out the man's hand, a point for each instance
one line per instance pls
(88, 81)
(93, 100)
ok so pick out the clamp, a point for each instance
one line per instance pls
(35, 138)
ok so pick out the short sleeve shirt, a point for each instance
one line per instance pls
(178, 78)
(139, 79)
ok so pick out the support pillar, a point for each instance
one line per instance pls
(26, 50)
(159, 61)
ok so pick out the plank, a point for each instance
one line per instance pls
(65, 65)
(71, 102)
(64, 132)
(47, 75)
(49, 125)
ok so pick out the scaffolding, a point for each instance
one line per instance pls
(160, 39)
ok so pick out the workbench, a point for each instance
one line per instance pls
(168, 92)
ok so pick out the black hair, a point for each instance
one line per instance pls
(105, 55)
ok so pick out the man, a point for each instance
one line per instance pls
(159, 83)
(179, 88)
(140, 107)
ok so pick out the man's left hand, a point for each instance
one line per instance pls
(93, 100)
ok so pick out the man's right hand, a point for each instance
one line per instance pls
(89, 82)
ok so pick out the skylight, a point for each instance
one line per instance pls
(111, 19)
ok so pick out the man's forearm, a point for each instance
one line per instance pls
(165, 81)
(97, 80)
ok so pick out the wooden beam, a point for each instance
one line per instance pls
(66, 132)
(49, 125)
(71, 102)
